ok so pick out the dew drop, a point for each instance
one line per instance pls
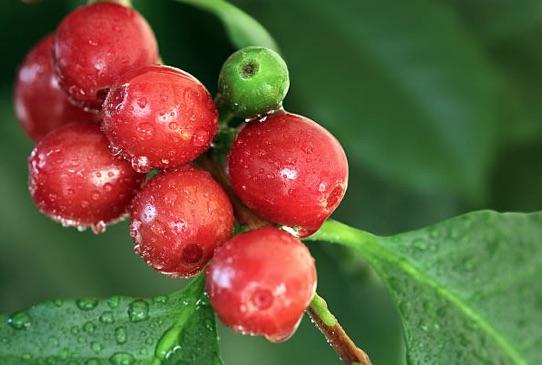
(161, 299)
(20, 320)
(107, 317)
(89, 327)
(99, 227)
(121, 335)
(200, 138)
(122, 358)
(96, 347)
(86, 304)
(145, 130)
(113, 302)
(138, 310)
(141, 164)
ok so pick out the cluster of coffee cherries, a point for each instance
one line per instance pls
(118, 133)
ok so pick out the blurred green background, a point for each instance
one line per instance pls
(437, 104)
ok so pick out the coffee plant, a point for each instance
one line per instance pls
(230, 191)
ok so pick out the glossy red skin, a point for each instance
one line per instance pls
(178, 219)
(159, 117)
(76, 181)
(40, 104)
(260, 282)
(95, 44)
(289, 170)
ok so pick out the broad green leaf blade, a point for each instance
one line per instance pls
(174, 329)
(242, 29)
(468, 289)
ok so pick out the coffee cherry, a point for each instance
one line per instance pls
(76, 181)
(289, 170)
(253, 81)
(159, 117)
(40, 104)
(97, 43)
(178, 220)
(260, 282)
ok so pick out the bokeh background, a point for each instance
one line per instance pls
(437, 103)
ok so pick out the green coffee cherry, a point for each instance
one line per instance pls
(253, 82)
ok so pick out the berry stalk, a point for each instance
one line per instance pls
(328, 324)
(318, 310)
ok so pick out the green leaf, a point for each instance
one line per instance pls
(468, 289)
(499, 19)
(174, 329)
(242, 29)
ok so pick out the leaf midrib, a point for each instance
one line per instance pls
(375, 252)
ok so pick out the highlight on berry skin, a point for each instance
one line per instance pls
(75, 181)
(178, 219)
(260, 283)
(253, 82)
(159, 117)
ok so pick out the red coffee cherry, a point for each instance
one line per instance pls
(40, 104)
(159, 117)
(260, 282)
(289, 170)
(76, 181)
(97, 43)
(178, 219)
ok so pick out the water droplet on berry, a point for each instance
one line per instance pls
(115, 150)
(20, 320)
(200, 138)
(141, 164)
(145, 130)
(99, 227)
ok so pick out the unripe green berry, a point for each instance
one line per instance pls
(253, 82)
